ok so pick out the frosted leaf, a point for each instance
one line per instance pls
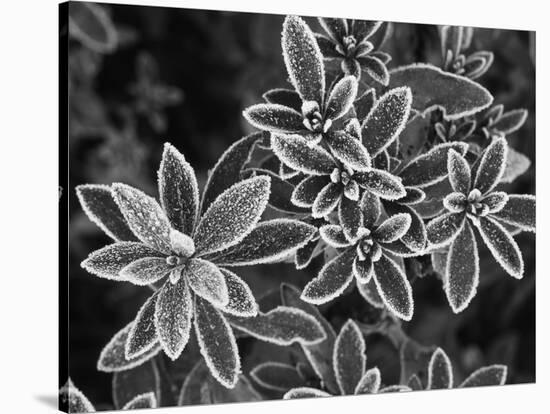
(433, 88)
(147, 400)
(281, 193)
(516, 165)
(369, 383)
(413, 196)
(140, 380)
(364, 29)
(462, 270)
(113, 358)
(282, 326)
(327, 47)
(351, 66)
(274, 118)
(336, 28)
(91, 24)
(440, 371)
(414, 383)
(363, 270)
(394, 288)
(182, 244)
(394, 388)
(455, 202)
(349, 357)
(369, 291)
(350, 217)
(416, 236)
(520, 211)
(232, 215)
(492, 165)
(285, 97)
(142, 337)
(341, 98)
(375, 68)
(381, 183)
(227, 170)
(352, 191)
(386, 120)
(431, 167)
(486, 376)
(110, 260)
(100, 207)
(364, 104)
(294, 151)
(241, 298)
(510, 121)
(370, 206)
(334, 235)
(303, 59)
(393, 228)
(276, 376)
(332, 279)
(217, 343)
(350, 151)
(502, 246)
(74, 400)
(305, 392)
(270, 242)
(495, 201)
(173, 313)
(306, 191)
(207, 281)
(327, 200)
(305, 254)
(144, 216)
(459, 172)
(146, 271)
(178, 190)
(285, 172)
(383, 56)
(443, 229)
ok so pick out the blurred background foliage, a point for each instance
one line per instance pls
(140, 76)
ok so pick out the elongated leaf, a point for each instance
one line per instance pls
(350, 216)
(100, 207)
(375, 68)
(140, 380)
(276, 376)
(281, 193)
(386, 120)
(341, 98)
(274, 118)
(142, 337)
(369, 291)
(294, 151)
(349, 357)
(282, 326)
(382, 183)
(217, 343)
(332, 280)
(459, 172)
(334, 235)
(443, 229)
(520, 211)
(440, 371)
(241, 298)
(486, 376)
(393, 228)
(305, 392)
(303, 59)
(510, 121)
(327, 200)
(516, 165)
(336, 28)
(432, 88)
(416, 236)
(285, 97)
(350, 151)
(369, 383)
(147, 400)
(305, 255)
(207, 281)
(232, 216)
(492, 165)
(363, 270)
(495, 201)
(74, 400)
(394, 288)
(270, 241)
(110, 260)
(306, 191)
(178, 189)
(144, 216)
(370, 207)
(146, 271)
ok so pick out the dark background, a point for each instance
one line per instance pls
(221, 62)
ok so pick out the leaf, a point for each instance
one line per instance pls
(110, 260)
(334, 235)
(341, 98)
(140, 380)
(303, 256)
(386, 120)
(393, 228)
(207, 281)
(73, 400)
(364, 29)
(327, 47)
(306, 191)
(495, 201)
(414, 383)
(147, 400)
(303, 59)
(369, 291)
(511, 121)
(327, 200)
(413, 196)
(332, 280)
(146, 271)
(294, 151)
(370, 206)
(282, 326)
(270, 242)
(394, 288)
(443, 229)
(369, 383)
(305, 392)
(431, 167)
(516, 165)
(281, 193)
(364, 104)
(241, 298)
(276, 376)
(375, 68)
(492, 165)
(349, 357)
(173, 315)
(363, 270)
(502, 245)
(440, 371)
(113, 359)
(384, 184)
(285, 97)
(241, 392)
(232, 216)
(416, 236)
(350, 151)
(462, 270)
(142, 337)
(178, 190)
(191, 390)
(90, 24)
(459, 172)
(274, 118)
(336, 28)
(227, 170)
(144, 216)
(350, 217)
(520, 211)
(100, 207)
(433, 88)
(486, 376)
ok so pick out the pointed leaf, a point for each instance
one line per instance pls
(382, 183)
(333, 235)
(306, 191)
(511, 121)
(276, 376)
(305, 392)
(495, 201)
(516, 165)
(375, 68)
(285, 97)
(414, 383)
(486, 376)
(241, 298)
(294, 151)
(274, 117)
(142, 338)
(350, 151)
(327, 47)
(520, 211)
(349, 357)
(363, 270)
(459, 172)
(146, 271)
(492, 165)
(303, 256)
(336, 28)
(394, 288)
(207, 281)
(416, 236)
(137, 381)
(393, 228)
(413, 196)
(74, 400)
(281, 193)
(341, 98)
(147, 400)
(443, 229)
(369, 291)
(370, 383)
(363, 29)
(440, 371)
(327, 200)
